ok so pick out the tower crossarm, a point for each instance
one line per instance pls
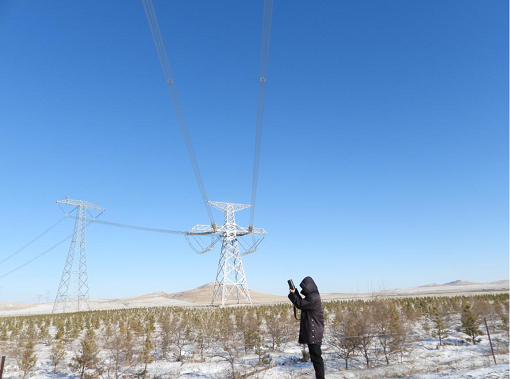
(258, 231)
(241, 231)
(228, 206)
(81, 203)
(201, 230)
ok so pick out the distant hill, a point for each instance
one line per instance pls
(459, 283)
(202, 296)
(457, 287)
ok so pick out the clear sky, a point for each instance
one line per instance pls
(384, 155)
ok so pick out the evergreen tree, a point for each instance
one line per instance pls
(26, 358)
(470, 324)
(504, 323)
(86, 357)
(343, 335)
(4, 336)
(258, 343)
(390, 331)
(57, 354)
(146, 354)
(439, 318)
(60, 332)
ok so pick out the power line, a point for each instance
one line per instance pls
(143, 228)
(43, 253)
(169, 79)
(89, 221)
(109, 223)
(36, 257)
(264, 57)
(32, 241)
(167, 72)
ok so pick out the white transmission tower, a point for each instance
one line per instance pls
(230, 277)
(73, 291)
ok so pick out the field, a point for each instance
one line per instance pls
(409, 337)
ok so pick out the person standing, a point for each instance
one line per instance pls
(311, 329)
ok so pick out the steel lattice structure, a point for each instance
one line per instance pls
(230, 277)
(73, 291)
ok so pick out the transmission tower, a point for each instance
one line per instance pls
(230, 277)
(73, 291)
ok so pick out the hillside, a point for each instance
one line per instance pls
(457, 287)
(201, 296)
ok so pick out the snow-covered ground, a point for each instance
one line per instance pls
(424, 359)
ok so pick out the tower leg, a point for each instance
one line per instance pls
(83, 281)
(220, 274)
(230, 276)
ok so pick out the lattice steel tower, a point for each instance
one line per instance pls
(73, 291)
(230, 277)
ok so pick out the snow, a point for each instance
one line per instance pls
(425, 360)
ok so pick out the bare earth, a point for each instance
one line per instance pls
(202, 296)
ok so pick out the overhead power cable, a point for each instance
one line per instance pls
(89, 221)
(32, 241)
(39, 255)
(169, 79)
(143, 228)
(264, 57)
(102, 222)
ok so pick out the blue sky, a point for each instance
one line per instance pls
(384, 155)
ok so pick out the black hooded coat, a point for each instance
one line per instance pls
(312, 319)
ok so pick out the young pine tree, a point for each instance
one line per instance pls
(343, 337)
(4, 336)
(146, 354)
(470, 324)
(439, 318)
(26, 358)
(57, 354)
(60, 335)
(86, 357)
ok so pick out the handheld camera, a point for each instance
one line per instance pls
(293, 287)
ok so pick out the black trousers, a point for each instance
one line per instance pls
(316, 358)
